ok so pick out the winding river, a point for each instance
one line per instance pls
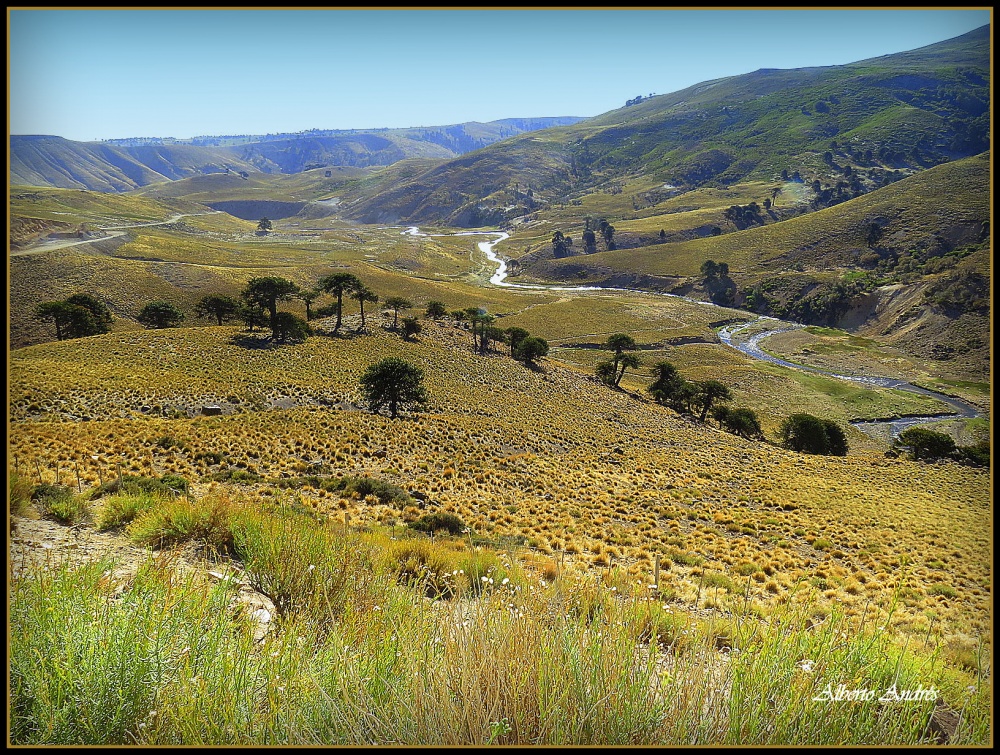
(750, 346)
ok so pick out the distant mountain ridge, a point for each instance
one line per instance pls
(125, 164)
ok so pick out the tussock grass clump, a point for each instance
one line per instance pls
(137, 484)
(168, 522)
(438, 521)
(386, 492)
(60, 503)
(18, 494)
(120, 509)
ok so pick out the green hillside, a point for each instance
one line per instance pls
(897, 112)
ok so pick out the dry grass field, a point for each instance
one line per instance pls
(550, 459)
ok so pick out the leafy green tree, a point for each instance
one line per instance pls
(411, 327)
(264, 225)
(531, 349)
(71, 320)
(290, 327)
(435, 310)
(559, 245)
(98, 310)
(709, 393)
(742, 422)
(626, 362)
(514, 337)
(222, 308)
(927, 444)
(267, 292)
(338, 284)
(606, 372)
(620, 343)
(663, 235)
(56, 312)
(396, 303)
(364, 294)
(589, 241)
(813, 435)
(666, 385)
(160, 314)
(709, 269)
(393, 383)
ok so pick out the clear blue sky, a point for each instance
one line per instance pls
(99, 74)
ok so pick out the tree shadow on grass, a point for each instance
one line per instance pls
(255, 342)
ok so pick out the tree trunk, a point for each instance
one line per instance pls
(340, 307)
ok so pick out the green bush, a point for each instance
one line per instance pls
(60, 503)
(813, 435)
(440, 520)
(386, 492)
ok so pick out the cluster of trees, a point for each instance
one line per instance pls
(929, 445)
(523, 346)
(744, 216)
(813, 435)
(75, 317)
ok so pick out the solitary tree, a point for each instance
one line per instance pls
(68, 318)
(338, 284)
(394, 383)
(709, 268)
(222, 308)
(264, 225)
(396, 303)
(411, 327)
(620, 343)
(435, 309)
(559, 245)
(160, 314)
(267, 292)
(530, 349)
(363, 294)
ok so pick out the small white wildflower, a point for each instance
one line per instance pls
(806, 665)
(275, 654)
(312, 566)
(376, 608)
(505, 581)
(485, 579)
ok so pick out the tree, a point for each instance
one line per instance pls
(559, 245)
(264, 225)
(396, 303)
(626, 362)
(589, 241)
(394, 383)
(160, 314)
(667, 384)
(68, 318)
(812, 435)
(363, 294)
(742, 422)
(338, 284)
(620, 343)
(99, 311)
(606, 372)
(709, 392)
(267, 292)
(531, 349)
(663, 235)
(290, 327)
(435, 309)
(252, 315)
(709, 268)
(514, 337)
(222, 308)
(308, 296)
(411, 327)
(926, 444)
(608, 232)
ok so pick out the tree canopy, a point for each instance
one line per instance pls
(393, 383)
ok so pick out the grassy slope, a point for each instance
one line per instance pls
(546, 454)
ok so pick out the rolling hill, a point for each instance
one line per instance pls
(123, 164)
(905, 112)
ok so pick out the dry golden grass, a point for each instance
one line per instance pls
(592, 477)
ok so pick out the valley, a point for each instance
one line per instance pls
(629, 512)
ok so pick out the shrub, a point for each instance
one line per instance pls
(18, 494)
(927, 444)
(121, 509)
(386, 492)
(440, 520)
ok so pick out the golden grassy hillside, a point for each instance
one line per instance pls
(549, 457)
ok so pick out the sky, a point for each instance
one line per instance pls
(97, 74)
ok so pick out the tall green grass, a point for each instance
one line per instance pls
(358, 656)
